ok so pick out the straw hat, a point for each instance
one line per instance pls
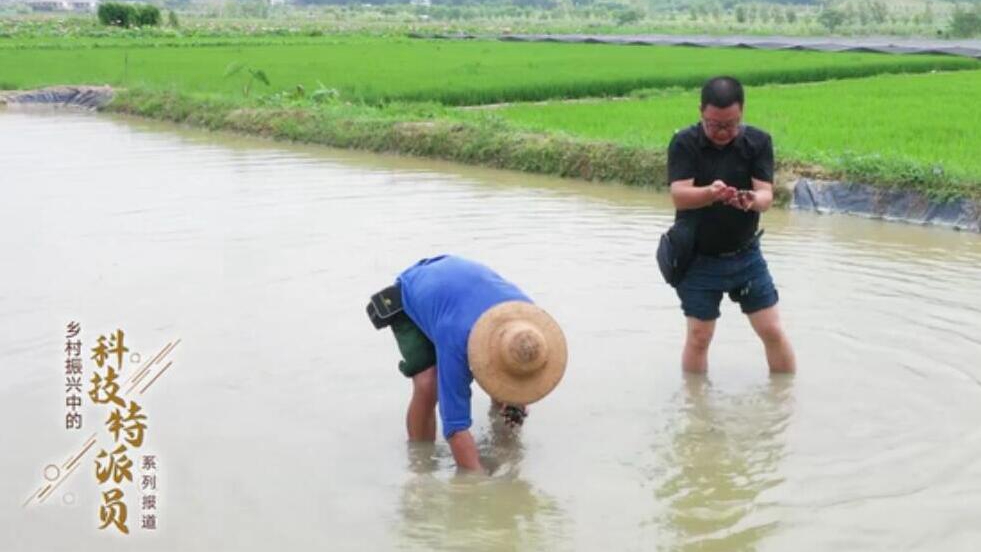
(517, 352)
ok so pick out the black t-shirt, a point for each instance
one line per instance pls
(692, 155)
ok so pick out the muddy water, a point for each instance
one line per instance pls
(279, 422)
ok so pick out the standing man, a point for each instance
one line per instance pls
(456, 320)
(721, 174)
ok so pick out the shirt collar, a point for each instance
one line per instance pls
(739, 143)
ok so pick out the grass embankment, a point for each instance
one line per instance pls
(413, 129)
(378, 70)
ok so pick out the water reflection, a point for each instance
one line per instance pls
(725, 451)
(476, 512)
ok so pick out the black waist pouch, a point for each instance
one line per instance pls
(676, 250)
(385, 307)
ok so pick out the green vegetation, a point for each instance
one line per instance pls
(147, 15)
(254, 76)
(883, 119)
(377, 70)
(917, 130)
(128, 15)
(966, 23)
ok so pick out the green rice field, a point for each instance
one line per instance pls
(892, 119)
(889, 123)
(375, 70)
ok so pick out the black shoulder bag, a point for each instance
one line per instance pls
(676, 250)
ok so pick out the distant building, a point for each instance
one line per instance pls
(83, 5)
(423, 3)
(48, 5)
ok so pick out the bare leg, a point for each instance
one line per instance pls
(694, 358)
(420, 420)
(779, 353)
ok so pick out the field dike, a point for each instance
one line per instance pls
(798, 186)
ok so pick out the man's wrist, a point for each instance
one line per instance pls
(464, 450)
(709, 196)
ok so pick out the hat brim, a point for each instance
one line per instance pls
(485, 363)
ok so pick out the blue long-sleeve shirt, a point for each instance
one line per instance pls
(445, 296)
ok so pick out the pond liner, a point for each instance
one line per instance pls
(886, 45)
(893, 204)
(85, 97)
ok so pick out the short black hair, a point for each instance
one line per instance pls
(722, 92)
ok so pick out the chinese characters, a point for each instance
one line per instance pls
(126, 424)
(73, 376)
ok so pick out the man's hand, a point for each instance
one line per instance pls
(686, 195)
(720, 191)
(744, 200)
(514, 415)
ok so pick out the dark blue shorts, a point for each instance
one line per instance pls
(744, 277)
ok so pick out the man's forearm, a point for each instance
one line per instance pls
(464, 450)
(763, 200)
(690, 197)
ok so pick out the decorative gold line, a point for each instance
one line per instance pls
(167, 350)
(162, 352)
(172, 347)
(160, 373)
(142, 375)
(44, 491)
(60, 481)
(86, 445)
(72, 457)
(33, 496)
(137, 381)
(81, 454)
(148, 364)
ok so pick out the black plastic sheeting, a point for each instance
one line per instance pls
(886, 203)
(886, 45)
(87, 97)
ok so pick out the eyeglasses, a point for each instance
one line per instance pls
(715, 126)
